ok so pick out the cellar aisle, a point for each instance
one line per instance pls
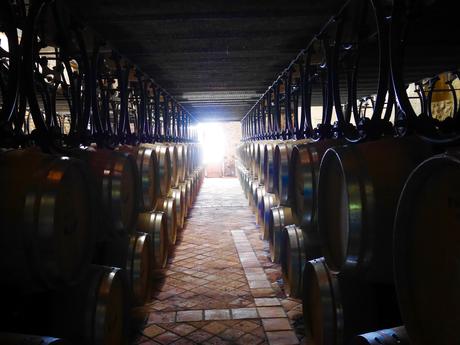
(220, 286)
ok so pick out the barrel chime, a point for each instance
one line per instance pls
(350, 162)
(98, 166)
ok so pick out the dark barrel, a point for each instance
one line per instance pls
(185, 190)
(189, 183)
(116, 184)
(258, 192)
(252, 159)
(260, 161)
(390, 336)
(304, 173)
(168, 206)
(155, 224)
(303, 193)
(46, 219)
(337, 307)
(94, 311)
(148, 175)
(358, 191)
(269, 201)
(174, 167)
(279, 217)
(281, 159)
(269, 167)
(140, 266)
(181, 162)
(259, 205)
(27, 339)
(133, 253)
(179, 196)
(282, 174)
(164, 167)
(427, 251)
(292, 259)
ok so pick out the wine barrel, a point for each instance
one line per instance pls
(260, 161)
(168, 206)
(96, 311)
(27, 339)
(255, 160)
(337, 307)
(390, 336)
(193, 187)
(279, 217)
(188, 160)
(269, 200)
(116, 184)
(258, 205)
(140, 266)
(292, 259)
(155, 224)
(252, 160)
(46, 220)
(248, 181)
(252, 191)
(281, 159)
(133, 253)
(269, 167)
(148, 175)
(189, 184)
(194, 180)
(304, 172)
(282, 177)
(174, 167)
(163, 157)
(427, 251)
(178, 195)
(358, 190)
(185, 190)
(181, 162)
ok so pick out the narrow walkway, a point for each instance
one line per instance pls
(220, 287)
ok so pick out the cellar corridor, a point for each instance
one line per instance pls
(219, 286)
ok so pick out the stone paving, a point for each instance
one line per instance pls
(220, 286)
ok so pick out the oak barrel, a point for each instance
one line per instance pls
(269, 167)
(427, 251)
(140, 266)
(279, 217)
(168, 206)
(46, 219)
(358, 191)
(164, 167)
(155, 224)
(148, 175)
(292, 259)
(116, 184)
(269, 200)
(179, 196)
(337, 307)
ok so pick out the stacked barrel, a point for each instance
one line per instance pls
(328, 209)
(84, 235)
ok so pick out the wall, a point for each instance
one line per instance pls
(231, 132)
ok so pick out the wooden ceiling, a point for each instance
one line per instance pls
(215, 57)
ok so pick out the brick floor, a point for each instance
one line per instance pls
(220, 286)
